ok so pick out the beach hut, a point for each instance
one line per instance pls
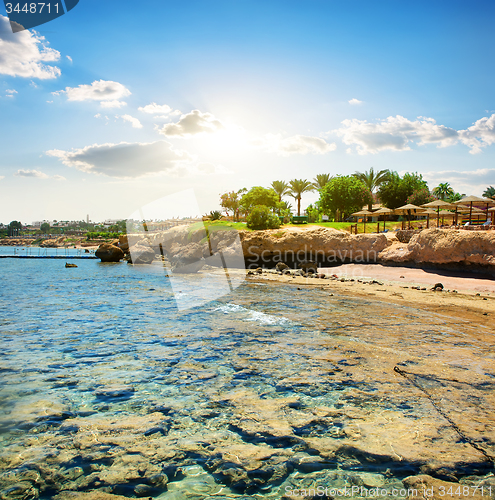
(385, 212)
(365, 213)
(409, 210)
(438, 204)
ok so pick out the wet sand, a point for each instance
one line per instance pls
(466, 297)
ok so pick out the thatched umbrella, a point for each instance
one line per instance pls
(446, 213)
(428, 212)
(477, 201)
(492, 210)
(471, 211)
(383, 211)
(365, 213)
(438, 204)
(409, 210)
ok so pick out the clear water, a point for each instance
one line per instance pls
(107, 387)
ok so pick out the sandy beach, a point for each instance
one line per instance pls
(466, 297)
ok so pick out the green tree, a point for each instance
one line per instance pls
(489, 192)
(420, 197)
(313, 212)
(396, 190)
(281, 188)
(443, 191)
(45, 228)
(259, 196)
(297, 188)
(231, 201)
(455, 197)
(262, 218)
(15, 228)
(344, 194)
(373, 180)
(321, 180)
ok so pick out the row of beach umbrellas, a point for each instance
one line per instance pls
(463, 206)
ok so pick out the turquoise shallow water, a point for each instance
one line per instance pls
(107, 386)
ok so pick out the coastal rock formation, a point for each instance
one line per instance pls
(109, 253)
(324, 245)
(53, 242)
(141, 254)
(437, 246)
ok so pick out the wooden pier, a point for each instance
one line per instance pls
(48, 257)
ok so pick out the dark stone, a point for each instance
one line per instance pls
(143, 490)
(437, 287)
(281, 266)
(308, 266)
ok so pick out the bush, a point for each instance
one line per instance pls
(262, 218)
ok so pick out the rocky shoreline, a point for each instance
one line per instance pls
(434, 248)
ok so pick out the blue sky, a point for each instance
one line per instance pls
(239, 93)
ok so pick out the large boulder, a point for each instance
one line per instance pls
(141, 254)
(109, 253)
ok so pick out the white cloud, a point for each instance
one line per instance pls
(464, 181)
(2, 177)
(157, 109)
(69, 58)
(25, 53)
(192, 123)
(296, 144)
(480, 134)
(31, 173)
(38, 175)
(354, 102)
(11, 91)
(107, 92)
(113, 104)
(395, 133)
(133, 121)
(124, 160)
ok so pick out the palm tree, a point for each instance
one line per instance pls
(285, 205)
(373, 180)
(281, 188)
(321, 180)
(489, 192)
(297, 188)
(443, 190)
(455, 197)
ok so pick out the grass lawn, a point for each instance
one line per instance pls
(371, 227)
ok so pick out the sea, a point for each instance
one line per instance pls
(269, 391)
